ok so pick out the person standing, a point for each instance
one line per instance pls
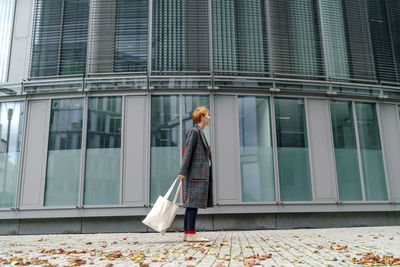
(196, 174)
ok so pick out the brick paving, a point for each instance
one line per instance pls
(298, 247)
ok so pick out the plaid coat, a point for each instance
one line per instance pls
(197, 186)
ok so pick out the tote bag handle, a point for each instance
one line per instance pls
(177, 190)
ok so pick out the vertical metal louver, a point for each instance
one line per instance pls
(381, 41)
(295, 38)
(393, 7)
(6, 15)
(239, 36)
(361, 61)
(118, 36)
(59, 37)
(180, 36)
(334, 39)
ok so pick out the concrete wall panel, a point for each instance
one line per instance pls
(321, 148)
(34, 169)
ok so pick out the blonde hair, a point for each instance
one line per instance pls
(198, 112)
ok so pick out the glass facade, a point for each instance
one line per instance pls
(165, 155)
(371, 152)
(292, 145)
(64, 152)
(346, 153)
(6, 22)
(256, 150)
(103, 151)
(10, 132)
(165, 139)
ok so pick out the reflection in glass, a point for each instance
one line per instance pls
(64, 154)
(371, 152)
(10, 134)
(103, 151)
(165, 156)
(293, 163)
(256, 151)
(347, 167)
(6, 22)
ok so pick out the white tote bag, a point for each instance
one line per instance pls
(163, 212)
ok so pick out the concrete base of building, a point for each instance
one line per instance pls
(215, 222)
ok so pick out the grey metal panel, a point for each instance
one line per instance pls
(135, 160)
(227, 158)
(34, 171)
(321, 148)
(390, 131)
(20, 46)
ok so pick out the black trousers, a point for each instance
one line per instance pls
(189, 223)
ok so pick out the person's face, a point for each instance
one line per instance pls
(205, 119)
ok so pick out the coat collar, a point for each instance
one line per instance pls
(202, 136)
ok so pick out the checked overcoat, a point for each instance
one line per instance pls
(196, 167)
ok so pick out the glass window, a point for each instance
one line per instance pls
(103, 151)
(60, 37)
(256, 150)
(165, 140)
(10, 134)
(371, 152)
(293, 162)
(240, 36)
(131, 36)
(165, 156)
(64, 153)
(347, 166)
(6, 22)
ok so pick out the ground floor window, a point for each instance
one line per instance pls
(103, 151)
(292, 147)
(10, 133)
(358, 153)
(64, 152)
(169, 114)
(256, 149)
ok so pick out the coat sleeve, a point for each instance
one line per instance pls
(190, 145)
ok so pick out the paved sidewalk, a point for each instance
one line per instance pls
(300, 247)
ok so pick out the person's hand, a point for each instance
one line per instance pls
(181, 177)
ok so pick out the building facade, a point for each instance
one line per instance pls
(97, 95)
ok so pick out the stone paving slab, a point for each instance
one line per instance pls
(298, 247)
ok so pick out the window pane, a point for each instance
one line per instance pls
(64, 155)
(371, 152)
(293, 163)
(256, 151)
(10, 131)
(103, 151)
(165, 156)
(347, 166)
(131, 36)
(6, 22)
